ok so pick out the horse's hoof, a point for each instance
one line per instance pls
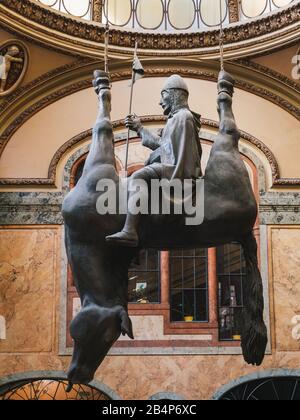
(124, 239)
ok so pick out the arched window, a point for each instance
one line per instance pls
(280, 385)
(48, 390)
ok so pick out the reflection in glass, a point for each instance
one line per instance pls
(189, 286)
(144, 278)
(231, 274)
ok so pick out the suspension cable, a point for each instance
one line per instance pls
(221, 39)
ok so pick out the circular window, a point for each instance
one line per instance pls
(50, 389)
(268, 389)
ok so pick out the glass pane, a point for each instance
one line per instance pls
(188, 252)
(144, 278)
(143, 287)
(189, 272)
(76, 8)
(200, 273)
(150, 13)
(282, 3)
(153, 260)
(176, 267)
(176, 253)
(177, 314)
(201, 308)
(225, 323)
(230, 259)
(182, 13)
(119, 12)
(254, 8)
(236, 291)
(201, 252)
(230, 323)
(224, 290)
(210, 12)
(188, 303)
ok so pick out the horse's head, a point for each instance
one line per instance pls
(94, 330)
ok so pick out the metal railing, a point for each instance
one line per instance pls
(166, 15)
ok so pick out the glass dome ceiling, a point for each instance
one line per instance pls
(164, 15)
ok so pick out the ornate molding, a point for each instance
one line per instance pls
(66, 26)
(18, 76)
(270, 73)
(76, 140)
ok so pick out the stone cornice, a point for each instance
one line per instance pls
(149, 119)
(81, 37)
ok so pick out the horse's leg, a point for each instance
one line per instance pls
(254, 331)
(102, 286)
(102, 147)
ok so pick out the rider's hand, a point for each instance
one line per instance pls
(133, 123)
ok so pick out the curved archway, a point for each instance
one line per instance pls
(161, 396)
(273, 385)
(50, 385)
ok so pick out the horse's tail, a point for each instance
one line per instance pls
(254, 331)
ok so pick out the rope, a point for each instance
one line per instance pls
(106, 38)
(221, 43)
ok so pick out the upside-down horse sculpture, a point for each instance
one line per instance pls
(100, 261)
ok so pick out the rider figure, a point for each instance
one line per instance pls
(177, 151)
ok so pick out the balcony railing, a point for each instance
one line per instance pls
(166, 15)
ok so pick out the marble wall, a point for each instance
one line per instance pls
(29, 278)
(28, 271)
(285, 267)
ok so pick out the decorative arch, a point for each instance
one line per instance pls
(270, 86)
(20, 379)
(238, 388)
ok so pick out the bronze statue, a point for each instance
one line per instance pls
(100, 268)
(179, 149)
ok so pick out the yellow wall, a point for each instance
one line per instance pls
(30, 150)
